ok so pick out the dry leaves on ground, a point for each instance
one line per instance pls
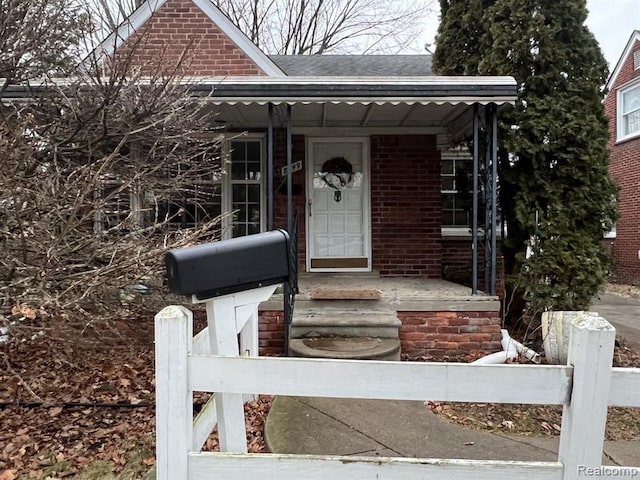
(541, 420)
(74, 395)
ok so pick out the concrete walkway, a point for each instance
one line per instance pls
(623, 313)
(327, 426)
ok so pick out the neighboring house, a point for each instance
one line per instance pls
(361, 150)
(622, 106)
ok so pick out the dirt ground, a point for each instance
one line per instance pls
(542, 420)
(77, 398)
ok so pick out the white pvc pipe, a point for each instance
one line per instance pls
(511, 349)
(492, 358)
(508, 346)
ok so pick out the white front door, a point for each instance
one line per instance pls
(338, 237)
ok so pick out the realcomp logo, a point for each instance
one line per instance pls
(609, 472)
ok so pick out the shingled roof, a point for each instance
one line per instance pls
(354, 65)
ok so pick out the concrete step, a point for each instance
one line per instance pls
(344, 322)
(351, 348)
(351, 305)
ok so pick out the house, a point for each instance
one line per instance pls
(355, 156)
(622, 106)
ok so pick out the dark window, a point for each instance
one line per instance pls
(246, 187)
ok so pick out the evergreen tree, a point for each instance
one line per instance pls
(461, 37)
(556, 195)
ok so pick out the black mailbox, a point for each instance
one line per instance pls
(230, 266)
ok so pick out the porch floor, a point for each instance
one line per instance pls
(390, 288)
(395, 293)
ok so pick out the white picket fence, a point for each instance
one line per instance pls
(212, 362)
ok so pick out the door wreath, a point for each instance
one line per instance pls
(337, 173)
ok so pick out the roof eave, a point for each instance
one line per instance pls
(439, 100)
(635, 37)
(348, 89)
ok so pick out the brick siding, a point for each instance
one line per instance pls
(280, 188)
(406, 210)
(624, 168)
(179, 28)
(457, 263)
(271, 332)
(456, 259)
(449, 335)
(436, 336)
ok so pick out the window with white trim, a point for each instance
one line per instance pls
(455, 177)
(629, 112)
(238, 189)
(246, 186)
(233, 193)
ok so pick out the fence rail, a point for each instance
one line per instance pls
(585, 388)
(454, 382)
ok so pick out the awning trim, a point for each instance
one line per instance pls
(362, 101)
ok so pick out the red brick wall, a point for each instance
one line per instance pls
(449, 335)
(624, 167)
(456, 259)
(271, 332)
(406, 205)
(437, 336)
(179, 26)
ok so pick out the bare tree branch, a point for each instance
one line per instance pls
(99, 172)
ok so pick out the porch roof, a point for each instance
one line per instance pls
(365, 90)
(428, 104)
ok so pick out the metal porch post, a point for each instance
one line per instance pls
(494, 194)
(289, 183)
(491, 173)
(270, 170)
(474, 220)
(288, 290)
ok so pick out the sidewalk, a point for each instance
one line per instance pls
(328, 426)
(623, 313)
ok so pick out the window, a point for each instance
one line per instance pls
(246, 186)
(456, 172)
(237, 190)
(201, 196)
(197, 197)
(201, 202)
(119, 206)
(629, 112)
(114, 201)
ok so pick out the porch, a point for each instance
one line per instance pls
(361, 162)
(432, 318)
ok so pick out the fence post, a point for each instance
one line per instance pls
(584, 419)
(223, 339)
(174, 399)
(249, 345)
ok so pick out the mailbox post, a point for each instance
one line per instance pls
(231, 278)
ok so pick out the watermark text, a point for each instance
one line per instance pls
(617, 472)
